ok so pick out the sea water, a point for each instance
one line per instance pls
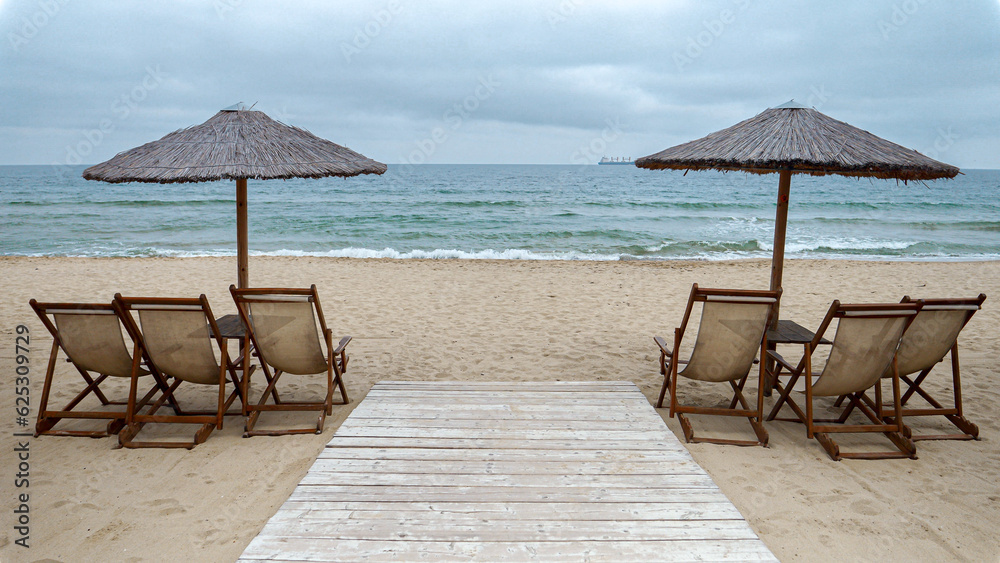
(524, 212)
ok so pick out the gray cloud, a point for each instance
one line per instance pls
(381, 77)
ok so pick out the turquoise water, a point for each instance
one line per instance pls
(504, 211)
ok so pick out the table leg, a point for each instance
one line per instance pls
(246, 372)
(769, 370)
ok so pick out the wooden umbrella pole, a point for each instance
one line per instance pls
(780, 222)
(242, 246)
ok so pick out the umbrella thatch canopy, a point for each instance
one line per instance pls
(235, 144)
(792, 138)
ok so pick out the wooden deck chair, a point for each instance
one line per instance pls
(731, 334)
(863, 349)
(931, 336)
(177, 334)
(282, 325)
(90, 336)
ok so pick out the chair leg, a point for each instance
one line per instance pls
(43, 424)
(115, 426)
(756, 421)
(126, 434)
(969, 431)
(903, 444)
(760, 431)
(905, 447)
(784, 398)
(829, 445)
(202, 434)
(321, 421)
(208, 421)
(255, 410)
(686, 427)
(340, 377)
(47, 419)
(893, 431)
(126, 437)
(754, 417)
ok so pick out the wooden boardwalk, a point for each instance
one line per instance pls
(506, 471)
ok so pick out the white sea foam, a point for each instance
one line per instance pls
(444, 254)
(660, 252)
(833, 243)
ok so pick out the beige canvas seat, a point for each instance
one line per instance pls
(288, 333)
(177, 334)
(90, 336)
(731, 334)
(933, 335)
(863, 349)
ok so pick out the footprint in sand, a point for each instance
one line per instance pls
(87, 505)
(166, 506)
(866, 507)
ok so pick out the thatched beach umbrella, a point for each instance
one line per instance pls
(794, 139)
(235, 144)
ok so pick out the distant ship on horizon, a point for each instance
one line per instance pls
(622, 160)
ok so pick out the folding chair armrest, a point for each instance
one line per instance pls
(343, 344)
(781, 360)
(664, 347)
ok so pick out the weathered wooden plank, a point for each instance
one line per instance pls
(682, 481)
(559, 385)
(565, 390)
(555, 393)
(491, 397)
(486, 413)
(464, 443)
(565, 404)
(352, 493)
(679, 466)
(469, 512)
(525, 455)
(513, 424)
(512, 400)
(500, 433)
(280, 549)
(510, 530)
(504, 395)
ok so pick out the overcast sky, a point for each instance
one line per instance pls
(536, 81)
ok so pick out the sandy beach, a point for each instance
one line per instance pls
(477, 320)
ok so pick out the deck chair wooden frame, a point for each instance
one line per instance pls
(745, 337)
(91, 339)
(924, 346)
(866, 362)
(160, 338)
(274, 343)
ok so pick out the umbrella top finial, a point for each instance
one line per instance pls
(238, 106)
(791, 104)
